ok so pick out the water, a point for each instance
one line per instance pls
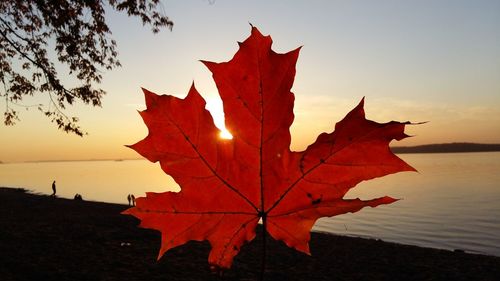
(453, 202)
(107, 181)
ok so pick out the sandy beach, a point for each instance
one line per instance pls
(45, 238)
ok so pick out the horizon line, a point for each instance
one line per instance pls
(399, 150)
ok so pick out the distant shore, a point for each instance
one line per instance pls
(427, 148)
(45, 238)
(447, 148)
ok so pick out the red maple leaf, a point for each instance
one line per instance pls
(227, 186)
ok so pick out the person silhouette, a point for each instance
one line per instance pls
(133, 199)
(129, 198)
(53, 189)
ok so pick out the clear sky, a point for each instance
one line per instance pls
(436, 61)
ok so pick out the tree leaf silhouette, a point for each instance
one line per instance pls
(227, 186)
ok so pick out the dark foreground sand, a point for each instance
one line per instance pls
(42, 238)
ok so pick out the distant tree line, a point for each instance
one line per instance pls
(447, 148)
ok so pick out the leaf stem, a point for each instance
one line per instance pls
(264, 237)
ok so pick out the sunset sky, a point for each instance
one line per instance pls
(436, 61)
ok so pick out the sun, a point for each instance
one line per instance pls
(214, 105)
(225, 134)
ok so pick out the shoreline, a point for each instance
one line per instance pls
(46, 238)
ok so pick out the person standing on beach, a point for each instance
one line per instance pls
(129, 198)
(54, 189)
(133, 199)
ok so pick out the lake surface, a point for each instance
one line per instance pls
(453, 202)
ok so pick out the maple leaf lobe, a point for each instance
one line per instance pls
(227, 186)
